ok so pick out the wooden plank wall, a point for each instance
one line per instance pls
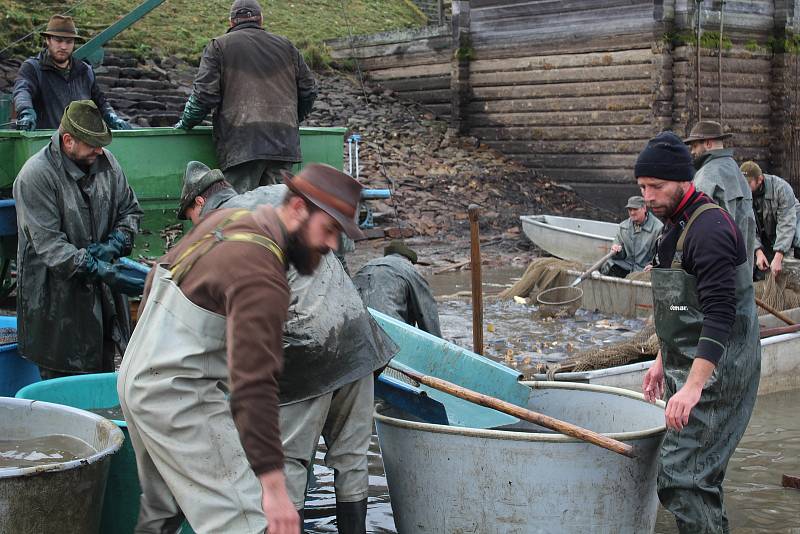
(415, 64)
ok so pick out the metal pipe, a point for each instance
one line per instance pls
(719, 58)
(477, 288)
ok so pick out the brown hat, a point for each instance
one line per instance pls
(751, 170)
(83, 121)
(62, 26)
(332, 191)
(706, 130)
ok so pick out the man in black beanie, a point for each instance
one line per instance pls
(709, 364)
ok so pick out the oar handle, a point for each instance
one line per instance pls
(599, 263)
(522, 413)
(782, 316)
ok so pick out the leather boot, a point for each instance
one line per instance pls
(351, 517)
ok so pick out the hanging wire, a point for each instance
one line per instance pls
(382, 167)
(39, 28)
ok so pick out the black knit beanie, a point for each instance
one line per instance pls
(667, 158)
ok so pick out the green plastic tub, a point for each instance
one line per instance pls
(154, 160)
(92, 392)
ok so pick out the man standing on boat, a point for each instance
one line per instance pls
(635, 243)
(48, 82)
(260, 90)
(331, 347)
(708, 367)
(76, 214)
(393, 286)
(776, 210)
(199, 382)
(719, 177)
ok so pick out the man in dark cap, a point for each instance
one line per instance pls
(331, 347)
(719, 177)
(48, 82)
(777, 210)
(393, 286)
(635, 243)
(259, 98)
(708, 367)
(199, 382)
(76, 214)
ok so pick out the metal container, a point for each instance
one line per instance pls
(154, 160)
(60, 497)
(521, 478)
(91, 392)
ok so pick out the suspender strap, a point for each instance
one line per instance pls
(676, 263)
(202, 246)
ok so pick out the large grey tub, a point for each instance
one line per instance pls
(61, 497)
(445, 479)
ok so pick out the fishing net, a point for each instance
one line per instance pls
(541, 274)
(781, 293)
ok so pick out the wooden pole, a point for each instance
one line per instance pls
(719, 59)
(697, 59)
(477, 288)
(782, 316)
(546, 421)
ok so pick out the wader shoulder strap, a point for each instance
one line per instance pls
(202, 246)
(677, 260)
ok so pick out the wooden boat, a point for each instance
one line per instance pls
(780, 364)
(436, 448)
(568, 238)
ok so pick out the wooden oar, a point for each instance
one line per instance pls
(776, 313)
(779, 330)
(512, 409)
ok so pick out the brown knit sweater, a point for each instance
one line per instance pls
(247, 284)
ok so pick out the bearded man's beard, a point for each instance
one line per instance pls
(304, 257)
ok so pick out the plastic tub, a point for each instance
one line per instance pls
(59, 497)
(15, 371)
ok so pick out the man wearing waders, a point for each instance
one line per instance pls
(199, 381)
(705, 317)
(719, 177)
(331, 347)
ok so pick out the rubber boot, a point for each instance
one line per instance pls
(351, 517)
(302, 513)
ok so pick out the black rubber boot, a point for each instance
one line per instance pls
(302, 513)
(351, 517)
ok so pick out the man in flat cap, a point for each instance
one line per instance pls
(76, 215)
(260, 89)
(708, 367)
(635, 243)
(777, 216)
(199, 382)
(48, 82)
(331, 347)
(393, 286)
(719, 177)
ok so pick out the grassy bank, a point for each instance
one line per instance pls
(183, 27)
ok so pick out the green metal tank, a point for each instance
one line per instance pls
(154, 160)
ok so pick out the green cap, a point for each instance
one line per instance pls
(635, 202)
(197, 178)
(399, 247)
(83, 121)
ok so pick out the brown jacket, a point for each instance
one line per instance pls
(260, 89)
(247, 284)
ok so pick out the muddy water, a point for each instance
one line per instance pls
(771, 446)
(43, 450)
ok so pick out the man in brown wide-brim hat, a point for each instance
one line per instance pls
(48, 82)
(719, 177)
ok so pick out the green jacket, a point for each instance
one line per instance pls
(638, 243)
(62, 315)
(719, 177)
(776, 210)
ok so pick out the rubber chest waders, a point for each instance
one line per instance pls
(693, 461)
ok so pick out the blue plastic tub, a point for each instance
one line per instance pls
(8, 217)
(15, 371)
